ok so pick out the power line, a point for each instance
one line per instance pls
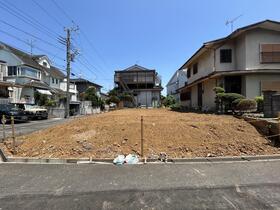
(68, 17)
(29, 34)
(62, 10)
(34, 23)
(25, 42)
(46, 11)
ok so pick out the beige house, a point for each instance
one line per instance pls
(246, 62)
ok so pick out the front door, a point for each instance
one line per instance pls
(199, 95)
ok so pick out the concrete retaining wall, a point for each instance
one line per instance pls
(56, 112)
(86, 108)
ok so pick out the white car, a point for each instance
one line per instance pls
(36, 112)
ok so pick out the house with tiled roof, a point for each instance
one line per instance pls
(246, 62)
(31, 73)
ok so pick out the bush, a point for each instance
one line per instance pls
(113, 99)
(246, 104)
(50, 103)
(259, 101)
(169, 101)
(218, 90)
(126, 97)
(230, 100)
(175, 107)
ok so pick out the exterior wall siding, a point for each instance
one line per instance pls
(208, 96)
(253, 83)
(253, 40)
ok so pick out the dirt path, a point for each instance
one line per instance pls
(118, 132)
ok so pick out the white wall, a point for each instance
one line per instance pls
(208, 96)
(226, 66)
(253, 83)
(205, 66)
(253, 40)
(178, 80)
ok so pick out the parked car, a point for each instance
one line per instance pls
(36, 112)
(11, 110)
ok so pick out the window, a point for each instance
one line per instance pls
(56, 81)
(270, 53)
(29, 72)
(225, 55)
(12, 70)
(188, 73)
(45, 63)
(195, 68)
(52, 80)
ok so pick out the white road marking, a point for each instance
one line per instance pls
(229, 202)
(197, 171)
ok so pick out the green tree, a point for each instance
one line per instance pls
(91, 95)
(169, 101)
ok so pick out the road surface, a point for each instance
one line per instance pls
(29, 127)
(224, 185)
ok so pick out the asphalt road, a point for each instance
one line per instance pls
(29, 127)
(225, 185)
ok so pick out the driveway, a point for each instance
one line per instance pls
(31, 126)
(224, 185)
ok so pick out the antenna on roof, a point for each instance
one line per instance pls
(31, 45)
(232, 21)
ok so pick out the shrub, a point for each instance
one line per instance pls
(259, 101)
(175, 107)
(229, 100)
(113, 99)
(169, 100)
(245, 104)
(218, 90)
(126, 97)
(50, 103)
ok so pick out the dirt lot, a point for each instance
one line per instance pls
(118, 132)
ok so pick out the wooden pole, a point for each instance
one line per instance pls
(279, 126)
(142, 139)
(3, 123)
(13, 134)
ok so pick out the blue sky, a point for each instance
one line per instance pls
(115, 34)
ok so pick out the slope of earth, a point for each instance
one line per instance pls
(118, 132)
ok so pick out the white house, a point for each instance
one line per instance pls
(177, 81)
(246, 62)
(30, 74)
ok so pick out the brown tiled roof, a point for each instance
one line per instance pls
(32, 61)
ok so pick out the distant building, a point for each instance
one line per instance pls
(142, 83)
(178, 80)
(83, 85)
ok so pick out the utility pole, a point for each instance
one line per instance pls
(69, 58)
(68, 66)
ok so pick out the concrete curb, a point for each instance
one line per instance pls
(9, 159)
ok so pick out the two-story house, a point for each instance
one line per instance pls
(178, 80)
(142, 83)
(246, 62)
(83, 84)
(30, 74)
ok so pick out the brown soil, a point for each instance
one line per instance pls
(118, 132)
